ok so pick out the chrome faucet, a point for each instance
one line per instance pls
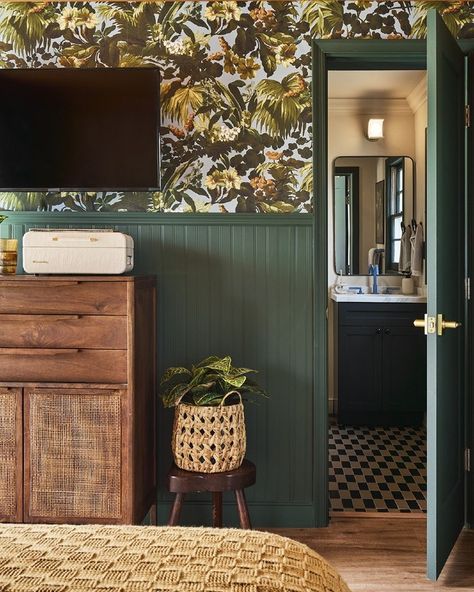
(374, 272)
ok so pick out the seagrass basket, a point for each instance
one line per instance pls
(209, 439)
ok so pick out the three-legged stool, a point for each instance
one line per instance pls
(181, 482)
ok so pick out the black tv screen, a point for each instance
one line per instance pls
(73, 129)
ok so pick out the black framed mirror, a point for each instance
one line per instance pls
(374, 203)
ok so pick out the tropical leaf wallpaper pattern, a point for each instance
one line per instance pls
(236, 105)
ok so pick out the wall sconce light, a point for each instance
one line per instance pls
(375, 130)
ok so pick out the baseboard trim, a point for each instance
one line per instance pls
(379, 515)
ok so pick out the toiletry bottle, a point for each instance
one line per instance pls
(408, 286)
(338, 287)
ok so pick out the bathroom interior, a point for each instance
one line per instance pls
(377, 124)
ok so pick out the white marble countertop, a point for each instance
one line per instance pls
(399, 298)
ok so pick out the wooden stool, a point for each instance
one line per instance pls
(181, 482)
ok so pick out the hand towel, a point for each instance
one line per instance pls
(404, 264)
(417, 251)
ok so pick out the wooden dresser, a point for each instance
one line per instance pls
(77, 399)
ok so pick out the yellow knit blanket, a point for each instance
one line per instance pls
(51, 558)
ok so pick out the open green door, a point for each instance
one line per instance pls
(446, 277)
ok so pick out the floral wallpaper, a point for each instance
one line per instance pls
(235, 95)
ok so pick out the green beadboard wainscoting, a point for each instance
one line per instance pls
(242, 285)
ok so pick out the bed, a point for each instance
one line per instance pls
(61, 558)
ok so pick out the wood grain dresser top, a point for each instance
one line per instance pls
(75, 278)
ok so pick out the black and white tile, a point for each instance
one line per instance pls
(377, 469)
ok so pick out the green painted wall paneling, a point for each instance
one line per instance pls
(240, 285)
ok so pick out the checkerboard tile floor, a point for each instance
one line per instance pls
(377, 469)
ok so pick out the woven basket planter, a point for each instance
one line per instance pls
(209, 439)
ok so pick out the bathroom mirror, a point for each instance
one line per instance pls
(374, 199)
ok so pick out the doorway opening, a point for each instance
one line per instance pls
(376, 283)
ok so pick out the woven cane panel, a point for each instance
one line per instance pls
(75, 455)
(209, 439)
(8, 454)
(41, 558)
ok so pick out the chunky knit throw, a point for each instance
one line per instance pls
(51, 558)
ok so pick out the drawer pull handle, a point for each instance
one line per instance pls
(37, 352)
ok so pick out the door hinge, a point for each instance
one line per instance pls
(467, 115)
(467, 288)
(467, 459)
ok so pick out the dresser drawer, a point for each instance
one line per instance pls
(63, 365)
(63, 297)
(63, 331)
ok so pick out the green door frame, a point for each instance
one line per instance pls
(340, 54)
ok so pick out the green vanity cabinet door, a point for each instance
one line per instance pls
(446, 273)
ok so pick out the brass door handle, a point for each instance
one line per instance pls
(432, 325)
(442, 324)
(427, 323)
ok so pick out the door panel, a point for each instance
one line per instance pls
(404, 371)
(446, 272)
(359, 371)
(73, 455)
(11, 455)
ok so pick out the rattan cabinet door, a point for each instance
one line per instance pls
(11, 455)
(73, 455)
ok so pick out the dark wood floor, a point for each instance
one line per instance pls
(387, 554)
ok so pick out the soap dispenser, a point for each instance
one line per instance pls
(338, 287)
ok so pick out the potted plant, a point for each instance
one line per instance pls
(209, 425)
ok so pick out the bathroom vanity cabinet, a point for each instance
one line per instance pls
(380, 363)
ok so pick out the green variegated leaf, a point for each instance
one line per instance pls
(203, 388)
(175, 395)
(215, 363)
(235, 381)
(172, 372)
(240, 371)
(208, 399)
(209, 382)
(197, 375)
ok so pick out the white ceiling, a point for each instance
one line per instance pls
(373, 84)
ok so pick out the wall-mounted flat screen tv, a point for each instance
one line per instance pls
(79, 129)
